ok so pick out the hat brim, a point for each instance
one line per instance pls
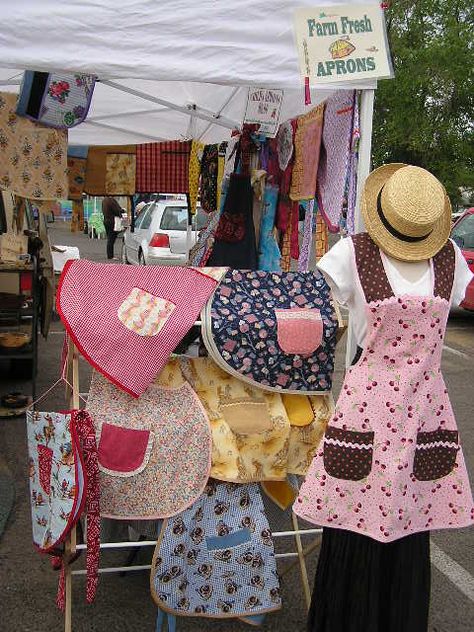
(394, 247)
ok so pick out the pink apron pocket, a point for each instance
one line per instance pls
(123, 451)
(143, 313)
(45, 461)
(299, 330)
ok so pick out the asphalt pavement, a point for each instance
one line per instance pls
(123, 604)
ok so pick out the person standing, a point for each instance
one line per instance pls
(110, 210)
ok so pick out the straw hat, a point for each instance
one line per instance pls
(406, 211)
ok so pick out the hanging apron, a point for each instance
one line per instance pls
(154, 452)
(391, 464)
(216, 559)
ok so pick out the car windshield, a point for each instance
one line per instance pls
(175, 218)
(463, 233)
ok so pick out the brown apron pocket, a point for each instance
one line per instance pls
(348, 454)
(435, 454)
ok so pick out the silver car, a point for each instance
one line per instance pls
(160, 234)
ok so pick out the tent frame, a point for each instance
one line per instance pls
(366, 116)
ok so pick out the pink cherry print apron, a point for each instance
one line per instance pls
(391, 464)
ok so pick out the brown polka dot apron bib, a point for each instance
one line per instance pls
(391, 464)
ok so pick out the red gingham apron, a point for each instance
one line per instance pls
(127, 320)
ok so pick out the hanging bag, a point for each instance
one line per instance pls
(60, 100)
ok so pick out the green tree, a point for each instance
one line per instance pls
(425, 115)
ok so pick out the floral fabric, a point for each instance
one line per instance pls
(391, 464)
(63, 474)
(177, 466)
(272, 447)
(216, 559)
(96, 166)
(120, 174)
(33, 158)
(60, 100)
(76, 169)
(144, 313)
(51, 453)
(220, 172)
(307, 145)
(209, 168)
(240, 329)
(194, 173)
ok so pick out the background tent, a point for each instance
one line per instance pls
(167, 69)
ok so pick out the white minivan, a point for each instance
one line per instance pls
(160, 232)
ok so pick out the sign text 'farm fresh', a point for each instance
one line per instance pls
(342, 43)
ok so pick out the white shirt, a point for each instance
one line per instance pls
(415, 279)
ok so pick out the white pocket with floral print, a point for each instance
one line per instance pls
(144, 313)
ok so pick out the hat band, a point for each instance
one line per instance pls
(393, 231)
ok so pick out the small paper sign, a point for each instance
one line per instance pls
(13, 247)
(263, 108)
(342, 43)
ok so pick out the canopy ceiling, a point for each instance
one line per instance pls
(159, 62)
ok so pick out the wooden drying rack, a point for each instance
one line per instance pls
(71, 546)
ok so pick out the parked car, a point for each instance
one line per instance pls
(160, 234)
(462, 234)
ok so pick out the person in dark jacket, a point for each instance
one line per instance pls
(110, 210)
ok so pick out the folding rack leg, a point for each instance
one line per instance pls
(70, 544)
(302, 561)
(306, 551)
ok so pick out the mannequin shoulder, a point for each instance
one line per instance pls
(337, 266)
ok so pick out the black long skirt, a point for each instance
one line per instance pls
(363, 585)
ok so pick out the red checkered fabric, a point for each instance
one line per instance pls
(89, 297)
(163, 167)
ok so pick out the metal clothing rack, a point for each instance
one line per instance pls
(71, 546)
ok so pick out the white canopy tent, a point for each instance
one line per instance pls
(168, 69)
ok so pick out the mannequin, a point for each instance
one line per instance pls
(384, 476)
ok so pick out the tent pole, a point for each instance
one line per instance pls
(363, 170)
(220, 110)
(179, 108)
(365, 150)
(108, 117)
(148, 137)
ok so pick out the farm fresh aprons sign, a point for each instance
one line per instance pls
(342, 43)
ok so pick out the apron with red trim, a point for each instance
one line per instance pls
(127, 320)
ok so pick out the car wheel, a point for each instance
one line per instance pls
(123, 256)
(141, 258)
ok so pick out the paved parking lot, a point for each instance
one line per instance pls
(123, 603)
